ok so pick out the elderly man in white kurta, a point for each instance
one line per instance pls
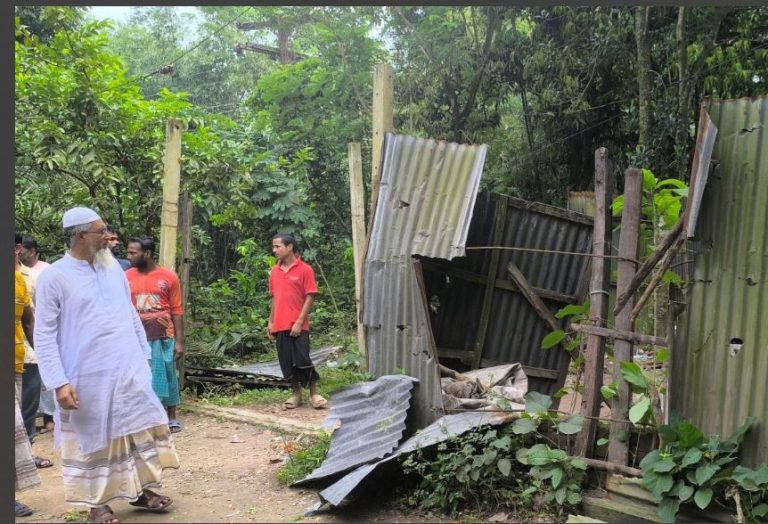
(92, 351)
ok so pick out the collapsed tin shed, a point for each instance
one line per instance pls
(719, 357)
(426, 298)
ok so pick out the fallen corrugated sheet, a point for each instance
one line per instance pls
(424, 206)
(479, 316)
(439, 431)
(719, 355)
(702, 155)
(372, 417)
(272, 369)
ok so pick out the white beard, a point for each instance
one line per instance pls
(103, 258)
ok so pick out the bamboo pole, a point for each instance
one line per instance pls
(185, 220)
(598, 303)
(169, 217)
(631, 336)
(357, 205)
(622, 349)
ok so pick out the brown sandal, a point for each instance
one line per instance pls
(102, 515)
(292, 402)
(151, 501)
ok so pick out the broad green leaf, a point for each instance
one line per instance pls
(560, 495)
(668, 508)
(738, 435)
(649, 180)
(553, 339)
(685, 492)
(570, 425)
(703, 497)
(690, 435)
(536, 402)
(640, 410)
(602, 441)
(705, 472)
(505, 466)
(664, 466)
(760, 511)
(650, 459)
(523, 426)
(670, 277)
(579, 464)
(633, 374)
(574, 497)
(573, 309)
(662, 355)
(610, 390)
(557, 477)
(692, 456)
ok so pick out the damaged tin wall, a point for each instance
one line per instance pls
(511, 330)
(424, 206)
(719, 359)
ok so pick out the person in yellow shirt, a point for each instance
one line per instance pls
(26, 471)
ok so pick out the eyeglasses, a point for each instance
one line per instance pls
(101, 231)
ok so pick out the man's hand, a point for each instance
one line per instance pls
(178, 350)
(270, 336)
(296, 328)
(67, 397)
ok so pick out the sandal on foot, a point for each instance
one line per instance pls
(318, 402)
(174, 425)
(41, 462)
(151, 501)
(22, 510)
(102, 515)
(292, 402)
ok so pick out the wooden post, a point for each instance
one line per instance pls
(357, 205)
(599, 285)
(382, 122)
(185, 225)
(170, 210)
(622, 349)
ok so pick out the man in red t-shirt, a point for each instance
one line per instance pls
(293, 288)
(156, 295)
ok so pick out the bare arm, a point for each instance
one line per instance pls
(271, 318)
(28, 324)
(305, 309)
(178, 328)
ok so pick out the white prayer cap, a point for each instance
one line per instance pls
(79, 215)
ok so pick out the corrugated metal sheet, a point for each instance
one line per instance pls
(702, 155)
(439, 431)
(372, 417)
(728, 298)
(424, 206)
(272, 369)
(456, 289)
(581, 202)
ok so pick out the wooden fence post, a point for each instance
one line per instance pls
(383, 122)
(170, 210)
(598, 302)
(357, 205)
(622, 349)
(185, 220)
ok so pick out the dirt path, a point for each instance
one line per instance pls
(228, 474)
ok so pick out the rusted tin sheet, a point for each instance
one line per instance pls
(372, 417)
(705, 141)
(456, 290)
(424, 206)
(439, 431)
(714, 383)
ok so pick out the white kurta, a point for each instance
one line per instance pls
(88, 334)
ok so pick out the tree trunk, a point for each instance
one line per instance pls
(643, 74)
(683, 94)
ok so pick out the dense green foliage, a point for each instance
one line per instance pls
(271, 96)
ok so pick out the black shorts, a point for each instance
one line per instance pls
(293, 355)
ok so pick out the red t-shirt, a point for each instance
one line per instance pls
(156, 296)
(288, 290)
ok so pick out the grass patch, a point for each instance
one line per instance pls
(305, 461)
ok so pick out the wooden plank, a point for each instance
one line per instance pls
(646, 267)
(466, 356)
(507, 285)
(658, 275)
(493, 269)
(185, 225)
(169, 217)
(357, 210)
(630, 336)
(599, 285)
(533, 299)
(553, 211)
(383, 121)
(622, 349)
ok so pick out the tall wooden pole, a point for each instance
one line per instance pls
(622, 349)
(598, 302)
(382, 122)
(357, 205)
(185, 220)
(170, 210)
